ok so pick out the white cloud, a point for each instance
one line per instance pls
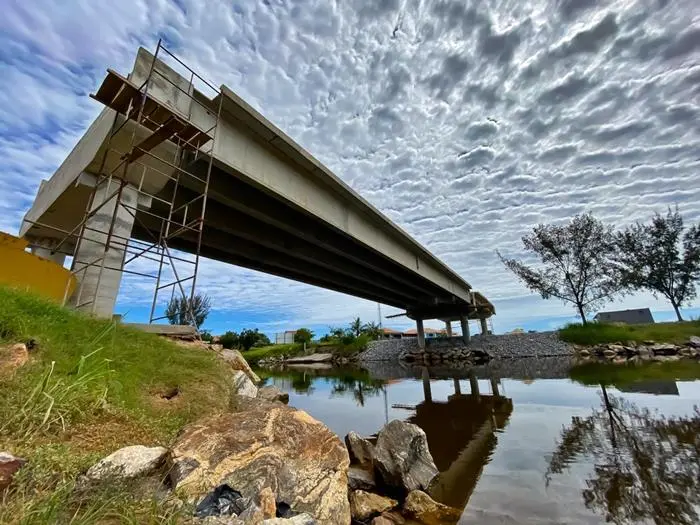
(465, 122)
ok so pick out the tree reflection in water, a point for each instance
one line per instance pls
(646, 466)
(360, 388)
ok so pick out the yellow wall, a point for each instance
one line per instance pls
(21, 269)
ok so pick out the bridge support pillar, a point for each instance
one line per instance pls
(494, 387)
(448, 328)
(100, 256)
(420, 332)
(484, 326)
(474, 385)
(465, 328)
(458, 387)
(427, 393)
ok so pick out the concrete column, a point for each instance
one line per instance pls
(97, 290)
(458, 387)
(427, 393)
(484, 326)
(465, 328)
(448, 328)
(420, 333)
(45, 253)
(494, 387)
(474, 385)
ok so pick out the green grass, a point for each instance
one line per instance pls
(620, 375)
(263, 352)
(598, 333)
(91, 387)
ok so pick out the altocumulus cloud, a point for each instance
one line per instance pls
(465, 122)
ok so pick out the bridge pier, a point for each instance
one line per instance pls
(464, 321)
(484, 326)
(458, 387)
(427, 393)
(448, 328)
(420, 332)
(474, 385)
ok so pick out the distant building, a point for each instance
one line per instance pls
(285, 338)
(638, 316)
(388, 333)
(430, 333)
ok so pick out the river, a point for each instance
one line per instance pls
(524, 442)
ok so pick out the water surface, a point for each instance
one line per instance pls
(522, 444)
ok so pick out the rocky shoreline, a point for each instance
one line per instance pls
(633, 352)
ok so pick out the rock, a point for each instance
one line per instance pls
(360, 449)
(12, 357)
(618, 349)
(382, 520)
(394, 518)
(300, 519)
(423, 508)
(694, 341)
(266, 501)
(364, 505)
(313, 358)
(584, 352)
(266, 445)
(131, 462)
(664, 349)
(402, 458)
(222, 520)
(242, 385)
(609, 354)
(360, 479)
(236, 361)
(272, 393)
(9, 465)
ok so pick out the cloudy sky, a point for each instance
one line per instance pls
(465, 122)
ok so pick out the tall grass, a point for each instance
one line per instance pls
(92, 386)
(599, 333)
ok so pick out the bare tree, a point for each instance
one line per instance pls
(661, 258)
(575, 263)
(188, 311)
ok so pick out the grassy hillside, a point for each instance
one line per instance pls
(91, 386)
(598, 333)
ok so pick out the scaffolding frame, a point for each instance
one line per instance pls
(136, 105)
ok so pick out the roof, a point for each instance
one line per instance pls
(413, 331)
(390, 331)
(634, 316)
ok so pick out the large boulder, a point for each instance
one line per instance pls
(402, 458)
(364, 505)
(694, 341)
(131, 462)
(242, 385)
(421, 507)
(9, 465)
(236, 361)
(266, 445)
(272, 393)
(360, 449)
(299, 519)
(360, 479)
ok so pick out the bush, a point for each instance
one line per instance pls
(303, 335)
(229, 340)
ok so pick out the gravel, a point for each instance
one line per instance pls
(507, 346)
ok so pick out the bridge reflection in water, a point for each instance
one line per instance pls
(462, 435)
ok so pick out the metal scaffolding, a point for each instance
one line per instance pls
(174, 215)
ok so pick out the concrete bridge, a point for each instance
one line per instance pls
(167, 167)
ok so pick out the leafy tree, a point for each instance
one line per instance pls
(303, 335)
(229, 340)
(262, 340)
(372, 330)
(576, 263)
(188, 311)
(206, 336)
(356, 327)
(248, 338)
(661, 258)
(646, 467)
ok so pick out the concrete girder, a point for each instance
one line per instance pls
(286, 272)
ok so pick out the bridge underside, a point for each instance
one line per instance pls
(258, 201)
